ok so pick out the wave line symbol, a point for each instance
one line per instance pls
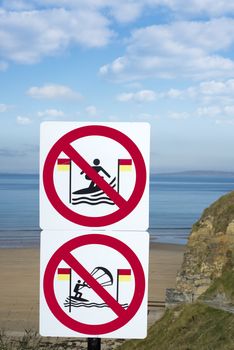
(100, 197)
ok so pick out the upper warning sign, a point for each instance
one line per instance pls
(94, 175)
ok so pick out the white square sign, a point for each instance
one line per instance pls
(94, 284)
(94, 175)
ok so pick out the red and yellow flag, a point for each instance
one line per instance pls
(64, 274)
(63, 164)
(125, 164)
(124, 275)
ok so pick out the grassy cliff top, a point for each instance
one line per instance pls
(223, 285)
(188, 327)
(222, 212)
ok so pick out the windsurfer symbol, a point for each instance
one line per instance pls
(93, 195)
(94, 284)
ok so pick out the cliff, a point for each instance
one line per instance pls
(209, 255)
(206, 274)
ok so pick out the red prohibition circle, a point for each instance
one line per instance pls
(63, 145)
(124, 315)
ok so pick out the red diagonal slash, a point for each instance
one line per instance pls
(97, 179)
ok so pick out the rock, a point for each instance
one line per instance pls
(209, 252)
(174, 297)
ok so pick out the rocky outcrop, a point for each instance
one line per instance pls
(209, 252)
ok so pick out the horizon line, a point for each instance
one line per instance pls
(170, 172)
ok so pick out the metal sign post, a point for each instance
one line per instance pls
(94, 343)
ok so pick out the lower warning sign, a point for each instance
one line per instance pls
(94, 284)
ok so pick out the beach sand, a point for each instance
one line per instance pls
(19, 276)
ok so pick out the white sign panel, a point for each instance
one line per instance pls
(94, 284)
(94, 176)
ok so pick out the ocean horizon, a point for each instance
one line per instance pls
(177, 200)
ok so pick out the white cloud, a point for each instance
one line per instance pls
(140, 96)
(174, 93)
(123, 11)
(51, 113)
(196, 7)
(209, 111)
(28, 36)
(213, 87)
(53, 91)
(217, 89)
(23, 120)
(32, 30)
(215, 111)
(125, 96)
(177, 50)
(126, 11)
(117, 67)
(91, 110)
(206, 92)
(145, 96)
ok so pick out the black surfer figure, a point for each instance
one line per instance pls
(78, 286)
(92, 187)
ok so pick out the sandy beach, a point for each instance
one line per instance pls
(19, 276)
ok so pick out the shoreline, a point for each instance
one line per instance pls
(11, 239)
(19, 275)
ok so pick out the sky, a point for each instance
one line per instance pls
(166, 62)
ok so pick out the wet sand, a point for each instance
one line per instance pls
(19, 276)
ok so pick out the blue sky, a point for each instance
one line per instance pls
(170, 63)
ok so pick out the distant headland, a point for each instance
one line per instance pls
(197, 173)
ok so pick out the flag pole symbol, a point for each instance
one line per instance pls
(123, 165)
(123, 275)
(65, 274)
(65, 164)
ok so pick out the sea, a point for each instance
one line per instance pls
(176, 203)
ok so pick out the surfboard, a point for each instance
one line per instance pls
(87, 190)
(79, 299)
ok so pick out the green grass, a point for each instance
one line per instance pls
(221, 285)
(222, 212)
(188, 327)
(31, 340)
